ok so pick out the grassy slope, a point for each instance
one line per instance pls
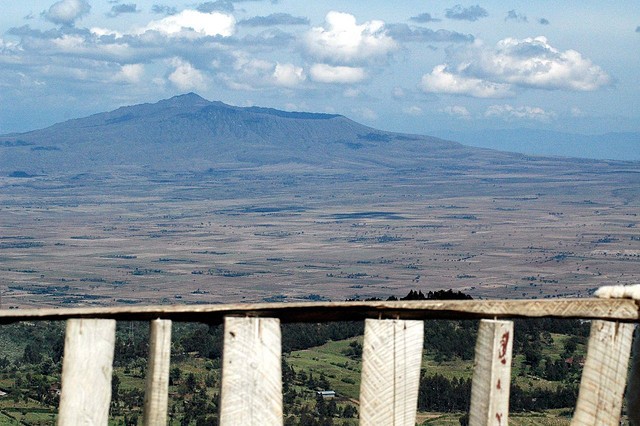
(329, 360)
(342, 373)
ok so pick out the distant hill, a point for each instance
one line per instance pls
(611, 146)
(188, 132)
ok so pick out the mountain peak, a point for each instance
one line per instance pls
(188, 132)
(187, 99)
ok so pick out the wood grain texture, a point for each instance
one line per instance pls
(251, 373)
(86, 372)
(491, 374)
(604, 375)
(624, 310)
(633, 385)
(156, 397)
(391, 357)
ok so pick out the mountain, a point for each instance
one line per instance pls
(612, 146)
(188, 132)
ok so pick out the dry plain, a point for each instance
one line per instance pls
(560, 229)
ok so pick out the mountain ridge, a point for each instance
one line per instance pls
(190, 132)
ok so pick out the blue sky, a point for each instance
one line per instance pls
(411, 66)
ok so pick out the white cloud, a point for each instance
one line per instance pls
(457, 110)
(250, 73)
(69, 43)
(366, 113)
(343, 41)
(351, 93)
(130, 73)
(288, 75)
(577, 112)
(441, 80)
(324, 73)
(7, 46)
(251, 66)
(413, 110)
(509, 112)
(205, 24)
(67, 49)
(398, 92)
(186, 77)
(290, 106)
(65, 12)
(534, 62)
(484, 72)
(100, 32)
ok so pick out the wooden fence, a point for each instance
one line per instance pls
(392, 351)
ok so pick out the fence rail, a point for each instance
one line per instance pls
(622, 310)
(251, 391)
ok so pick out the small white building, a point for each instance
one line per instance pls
(326, 394)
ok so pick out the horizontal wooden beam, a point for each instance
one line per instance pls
(624, 310)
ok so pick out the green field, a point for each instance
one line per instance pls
(29, 373)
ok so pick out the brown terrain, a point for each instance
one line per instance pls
(197, 241)
(380, 223)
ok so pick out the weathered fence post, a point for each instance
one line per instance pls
(633, 385)
(251, 372)
(491, 374)
(156, 397)
(391, 358)
(604, 375)
(86, 372)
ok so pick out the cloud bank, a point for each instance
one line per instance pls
(66, 12)
(406, 33)
(274, 19)
(324, 73)
(471, 13)
(424, 18)
(483, 72)
(509, 112)
(457, 111)
(512, 15)
(343, 41)
(442, 80)
(119, 9)
(288, 75)
(209, 24)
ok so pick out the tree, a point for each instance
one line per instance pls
(191, 383)
(174, 375)
(115, 389)
(31, 354)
